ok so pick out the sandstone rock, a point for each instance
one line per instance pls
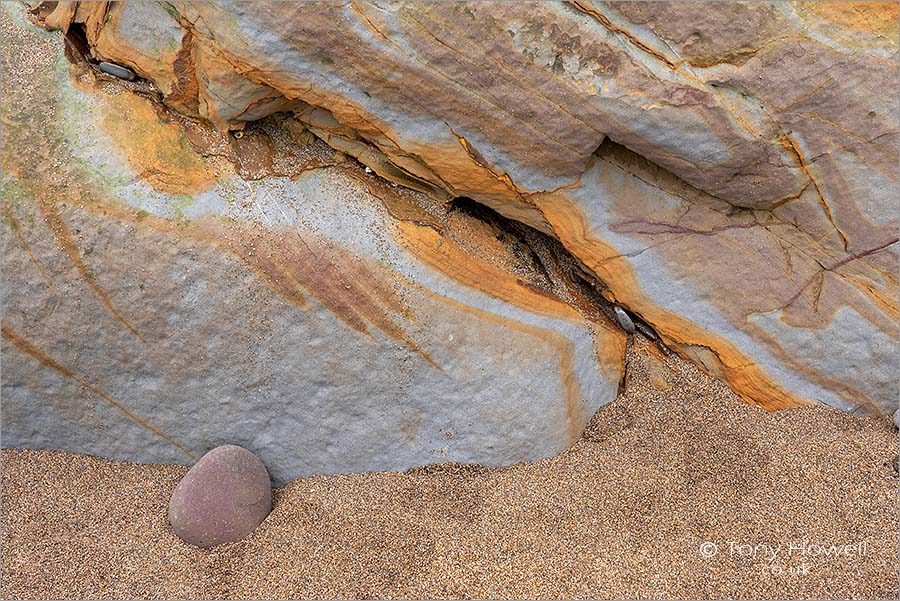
(159, 301)
(222, 498)
(728, 170)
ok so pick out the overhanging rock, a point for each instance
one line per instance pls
(733, 185)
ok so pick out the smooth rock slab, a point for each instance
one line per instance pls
(157, 305)
(222, 499)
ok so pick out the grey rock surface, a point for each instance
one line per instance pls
(727, 170)
(157, 304)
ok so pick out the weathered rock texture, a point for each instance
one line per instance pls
(728, 170)
(167, 289)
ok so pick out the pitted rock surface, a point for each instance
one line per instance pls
(728, 170)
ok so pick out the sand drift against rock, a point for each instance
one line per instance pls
(675, 462)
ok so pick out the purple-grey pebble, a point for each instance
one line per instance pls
(222, 499)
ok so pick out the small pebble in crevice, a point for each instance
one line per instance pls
(646, 331)
(117, 71)
(624, 320)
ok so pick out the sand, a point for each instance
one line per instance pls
(677, 461)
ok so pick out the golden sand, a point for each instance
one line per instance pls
(677, 461)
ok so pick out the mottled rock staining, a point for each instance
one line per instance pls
(168, 289)
(726, 175)
(743, 204)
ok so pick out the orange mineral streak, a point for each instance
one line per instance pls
(297, 263)
(157, 151)
(291, 261)
(885, 299)
(714, 353)
(482, 163)
(66, 241)
(876, 17)
(447, 257)
(26, 347)
(610, 342)
(862, 403)
(17, 228)
(424, 237)
(470, 174)
(444, 255)
(575, 408)
(804, 165)
(611, 345)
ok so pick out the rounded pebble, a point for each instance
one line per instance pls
(897, 418)
(117, 71)
(624, 320)
(222, 499)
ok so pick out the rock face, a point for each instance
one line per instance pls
(724, 173)
(167, 289)
(728, 171)
(222, 499)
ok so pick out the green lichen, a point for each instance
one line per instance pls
(178, 204)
